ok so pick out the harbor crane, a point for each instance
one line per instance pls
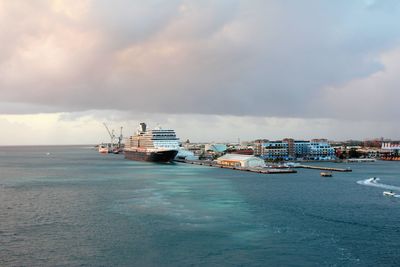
(111, 133)
(116, 141)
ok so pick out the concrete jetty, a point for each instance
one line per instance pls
(324, 168)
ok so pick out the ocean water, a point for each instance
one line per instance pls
(70, 206)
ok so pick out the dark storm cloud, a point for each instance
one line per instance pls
(262, 58)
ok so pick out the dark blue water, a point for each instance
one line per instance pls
(75, 207)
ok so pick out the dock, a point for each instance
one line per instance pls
(324, 168)
(246, 169)
(360, 160)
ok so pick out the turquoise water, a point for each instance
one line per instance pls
(75, 207)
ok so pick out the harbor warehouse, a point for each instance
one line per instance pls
(237, 160)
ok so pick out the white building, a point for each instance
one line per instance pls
(243, 161)
(216, 148)
(321, 151)
(390, 146)
(186, 154)
(318, 149)
(275, 149)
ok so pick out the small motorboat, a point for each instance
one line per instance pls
(103, 149)
(389, 193)
(326, 174)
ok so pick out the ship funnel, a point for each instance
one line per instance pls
(142, 127)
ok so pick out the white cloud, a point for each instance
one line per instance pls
(375, 97)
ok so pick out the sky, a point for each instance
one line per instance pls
(215, 71)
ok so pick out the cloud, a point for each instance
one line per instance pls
(234, 58)
(374, 97)
(87, 128)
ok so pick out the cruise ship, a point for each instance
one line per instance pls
(157, 145)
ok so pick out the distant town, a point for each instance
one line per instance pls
(162, 145)
(289, 149)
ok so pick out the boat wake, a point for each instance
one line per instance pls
(375, 182)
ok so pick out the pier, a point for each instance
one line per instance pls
(360, 160)
(246, 169)
(324, 168)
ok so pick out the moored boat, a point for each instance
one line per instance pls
(103, 149)
(326, 174)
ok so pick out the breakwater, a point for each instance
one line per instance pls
(324, 168)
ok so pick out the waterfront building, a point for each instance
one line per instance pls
(301, 149)
(390, 146)
(240, 161)
(316, 149)
(291, 147)
(184, 154)
(275, 150)
(369, 152)
(216, 148)
(258, 146)
(377, 143)
(240, 149)
(243, 151)
(321, 151)
(197, 149)
(390, 151)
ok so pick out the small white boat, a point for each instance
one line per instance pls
(103, 149)
(389, 193)
(326, 174)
